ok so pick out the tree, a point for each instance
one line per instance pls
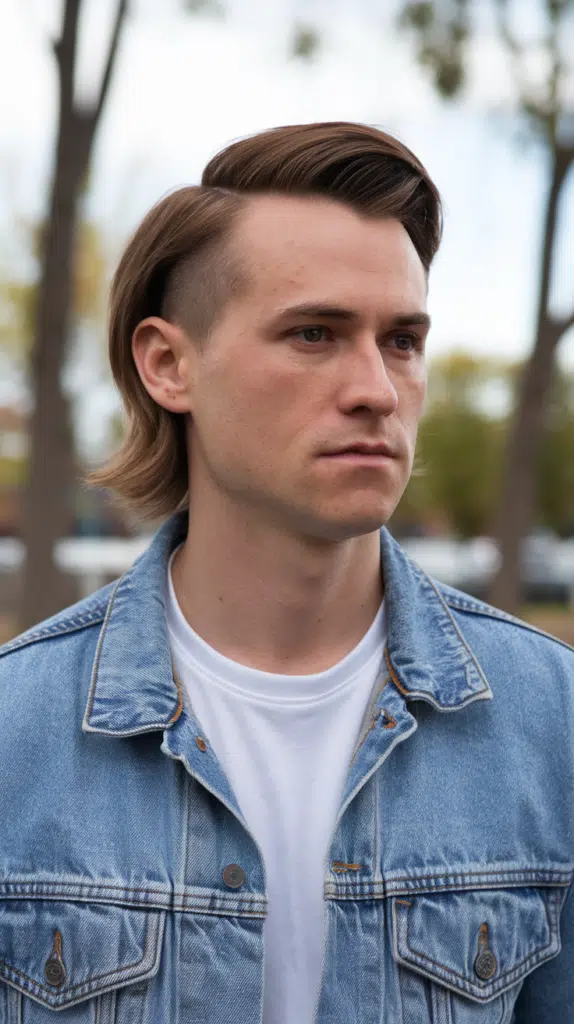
(51, 471)
(459, 456)
(87, 361)
(460, 442)
(556, 464)
(459, 451)
(443, 31)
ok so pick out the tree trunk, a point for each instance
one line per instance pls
(517, 507)
(48, 512)
(48, 506)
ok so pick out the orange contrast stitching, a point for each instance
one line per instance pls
(179, 707)
(393, 674)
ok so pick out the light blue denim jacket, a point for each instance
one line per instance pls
(448, 886)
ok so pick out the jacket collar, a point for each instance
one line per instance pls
(427, 655)
(133, 689)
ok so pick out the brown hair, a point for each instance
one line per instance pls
(179, 260)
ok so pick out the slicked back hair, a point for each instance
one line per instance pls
(180, 265)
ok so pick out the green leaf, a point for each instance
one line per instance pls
(449, 78)
(418, 15)
(212, 7)
(306, 42)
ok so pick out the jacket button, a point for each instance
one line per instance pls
(485, 965)
(54, 971)
(233, 876)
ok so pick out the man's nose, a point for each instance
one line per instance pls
(367, 382)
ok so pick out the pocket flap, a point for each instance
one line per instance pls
(477, 943)
(60, 953)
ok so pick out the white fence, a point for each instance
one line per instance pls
(92, 559)
(460, 563)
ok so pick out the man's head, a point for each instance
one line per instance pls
(268, 319)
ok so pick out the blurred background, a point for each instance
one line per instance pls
(108, 104)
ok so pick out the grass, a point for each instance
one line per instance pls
(555, 619)
(7, 628)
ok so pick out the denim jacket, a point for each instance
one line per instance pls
(448, 885)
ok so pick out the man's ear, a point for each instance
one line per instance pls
(164, 356)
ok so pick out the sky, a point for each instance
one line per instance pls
(186, 85)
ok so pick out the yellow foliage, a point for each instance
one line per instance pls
(18, 297)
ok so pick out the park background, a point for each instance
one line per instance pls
(108, 104)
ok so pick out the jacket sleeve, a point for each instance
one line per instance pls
(547, 995)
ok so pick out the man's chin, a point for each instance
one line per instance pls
(346, 528)
(359, 529)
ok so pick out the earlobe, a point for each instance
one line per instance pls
(162, 355)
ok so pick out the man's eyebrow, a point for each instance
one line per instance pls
(412, 320)
(324, 309)
(317, 309)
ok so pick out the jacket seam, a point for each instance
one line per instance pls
(210, 903)
(499, 880)
(566, 872)
(468, 606)
(65, 628)
(514, 872)
(89, 887)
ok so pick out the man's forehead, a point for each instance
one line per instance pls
(277, 230)
(286, 240)
(264, 216)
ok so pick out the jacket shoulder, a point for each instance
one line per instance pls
(83, 615)
(493, 623)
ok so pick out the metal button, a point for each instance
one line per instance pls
(54, 971)
(200, 742)
(485, 964)
(233, 876)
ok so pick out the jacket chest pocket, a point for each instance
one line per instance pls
(80, 959)
(463, 956)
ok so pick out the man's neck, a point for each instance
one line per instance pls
(273, 601)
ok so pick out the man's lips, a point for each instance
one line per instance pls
(364, 450)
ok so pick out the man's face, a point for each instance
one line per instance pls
(324, 351)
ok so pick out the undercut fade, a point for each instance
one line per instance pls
(180, 265)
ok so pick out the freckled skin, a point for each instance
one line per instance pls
(267, 403)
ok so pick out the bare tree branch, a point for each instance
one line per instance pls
(506, 33)
(556, 73)
(542, 109)
(516, 51)
(65, 52)
(106, 77)
(566, 324)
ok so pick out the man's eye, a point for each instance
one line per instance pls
(311, 334)
(405, 342)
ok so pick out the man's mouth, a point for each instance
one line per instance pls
(376, 452)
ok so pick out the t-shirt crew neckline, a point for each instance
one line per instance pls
(270, 687)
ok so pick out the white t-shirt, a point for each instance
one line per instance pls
(285, 743)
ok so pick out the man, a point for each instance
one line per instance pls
(276, 773)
